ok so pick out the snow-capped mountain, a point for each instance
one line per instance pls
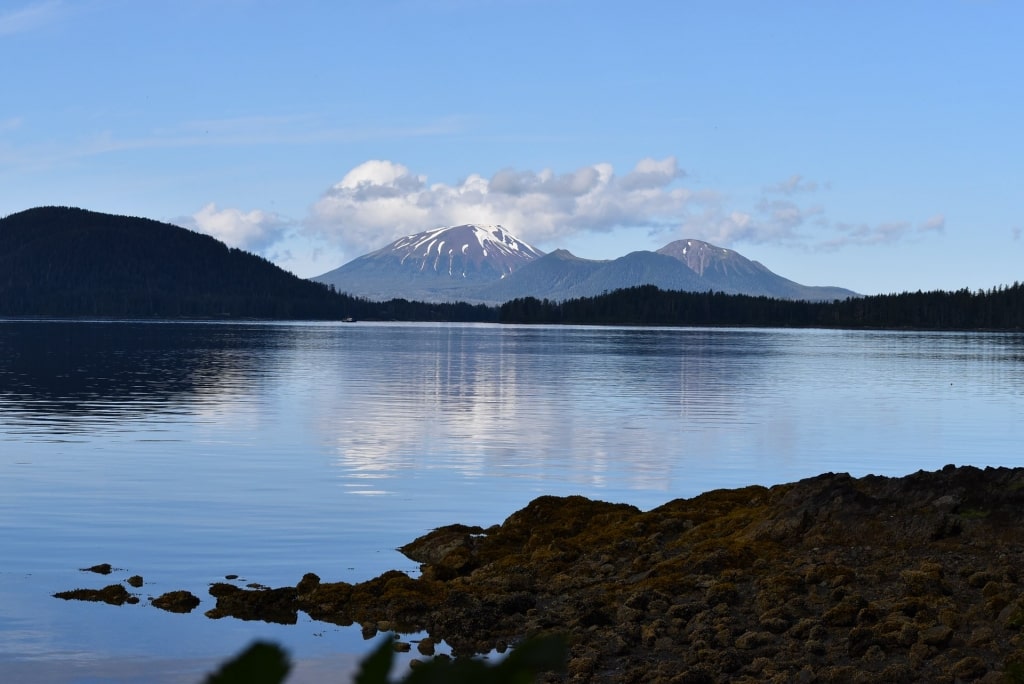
(435, 265)
(486, 264)
(462, 251)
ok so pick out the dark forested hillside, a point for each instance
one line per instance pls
(60, 261)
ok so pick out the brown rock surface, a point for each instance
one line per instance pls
(912, 579)
(180, 601)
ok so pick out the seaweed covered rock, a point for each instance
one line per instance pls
(268, 605)
(832, 578)
(114, 594)
(180, 601)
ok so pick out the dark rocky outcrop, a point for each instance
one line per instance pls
(830, 579)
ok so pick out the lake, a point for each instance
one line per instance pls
(185, 452)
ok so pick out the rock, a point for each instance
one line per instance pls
(832, 578)
(308, 584)
(177, 601)
(970, 668)
(267, 605)
(426, 646)
(939, 635)
(114, 594)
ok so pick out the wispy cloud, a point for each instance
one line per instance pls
(792, 185)
(936, 224)
(210, 133)
(29, 17)
(293, 129)
(880, 234)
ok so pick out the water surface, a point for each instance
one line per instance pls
(184, 452)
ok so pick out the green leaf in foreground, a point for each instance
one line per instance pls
(529, 659)
(376, 666)
(265, 663)
(261, 663)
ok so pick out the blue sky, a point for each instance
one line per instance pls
(873, 145)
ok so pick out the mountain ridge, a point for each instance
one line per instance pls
(409, 268)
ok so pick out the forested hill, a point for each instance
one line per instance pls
(60, 261)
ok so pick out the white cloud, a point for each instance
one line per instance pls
(380, 201)
(253, 231)
(792, 185)
(936, 224)
(861, 234)
(864, 234)
(29, 17)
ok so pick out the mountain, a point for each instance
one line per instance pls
(724, 270)
(435, 265)
(62, 261)
(486, 264)
(557, 275)
(561, 275)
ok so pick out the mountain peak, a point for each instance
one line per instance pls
(434, 263)
(459, 250)
(701, 256)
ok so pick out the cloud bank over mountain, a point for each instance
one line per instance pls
(380, 200)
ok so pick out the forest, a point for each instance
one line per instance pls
(1000, 308)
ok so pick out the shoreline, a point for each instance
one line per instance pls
(830, 578)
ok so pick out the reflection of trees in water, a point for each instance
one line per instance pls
(55, 369)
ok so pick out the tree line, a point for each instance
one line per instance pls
(1000, 308)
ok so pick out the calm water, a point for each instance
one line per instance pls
(184, 452)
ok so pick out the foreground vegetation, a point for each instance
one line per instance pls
(264, 663)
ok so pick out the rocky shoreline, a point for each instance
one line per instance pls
(829, 579)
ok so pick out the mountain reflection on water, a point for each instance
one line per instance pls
(574, 403)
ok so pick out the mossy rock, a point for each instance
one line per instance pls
(114, 594)
(177, 601)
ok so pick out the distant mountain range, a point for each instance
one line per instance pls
(486, 264)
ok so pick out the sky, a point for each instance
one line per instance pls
(873, 145)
